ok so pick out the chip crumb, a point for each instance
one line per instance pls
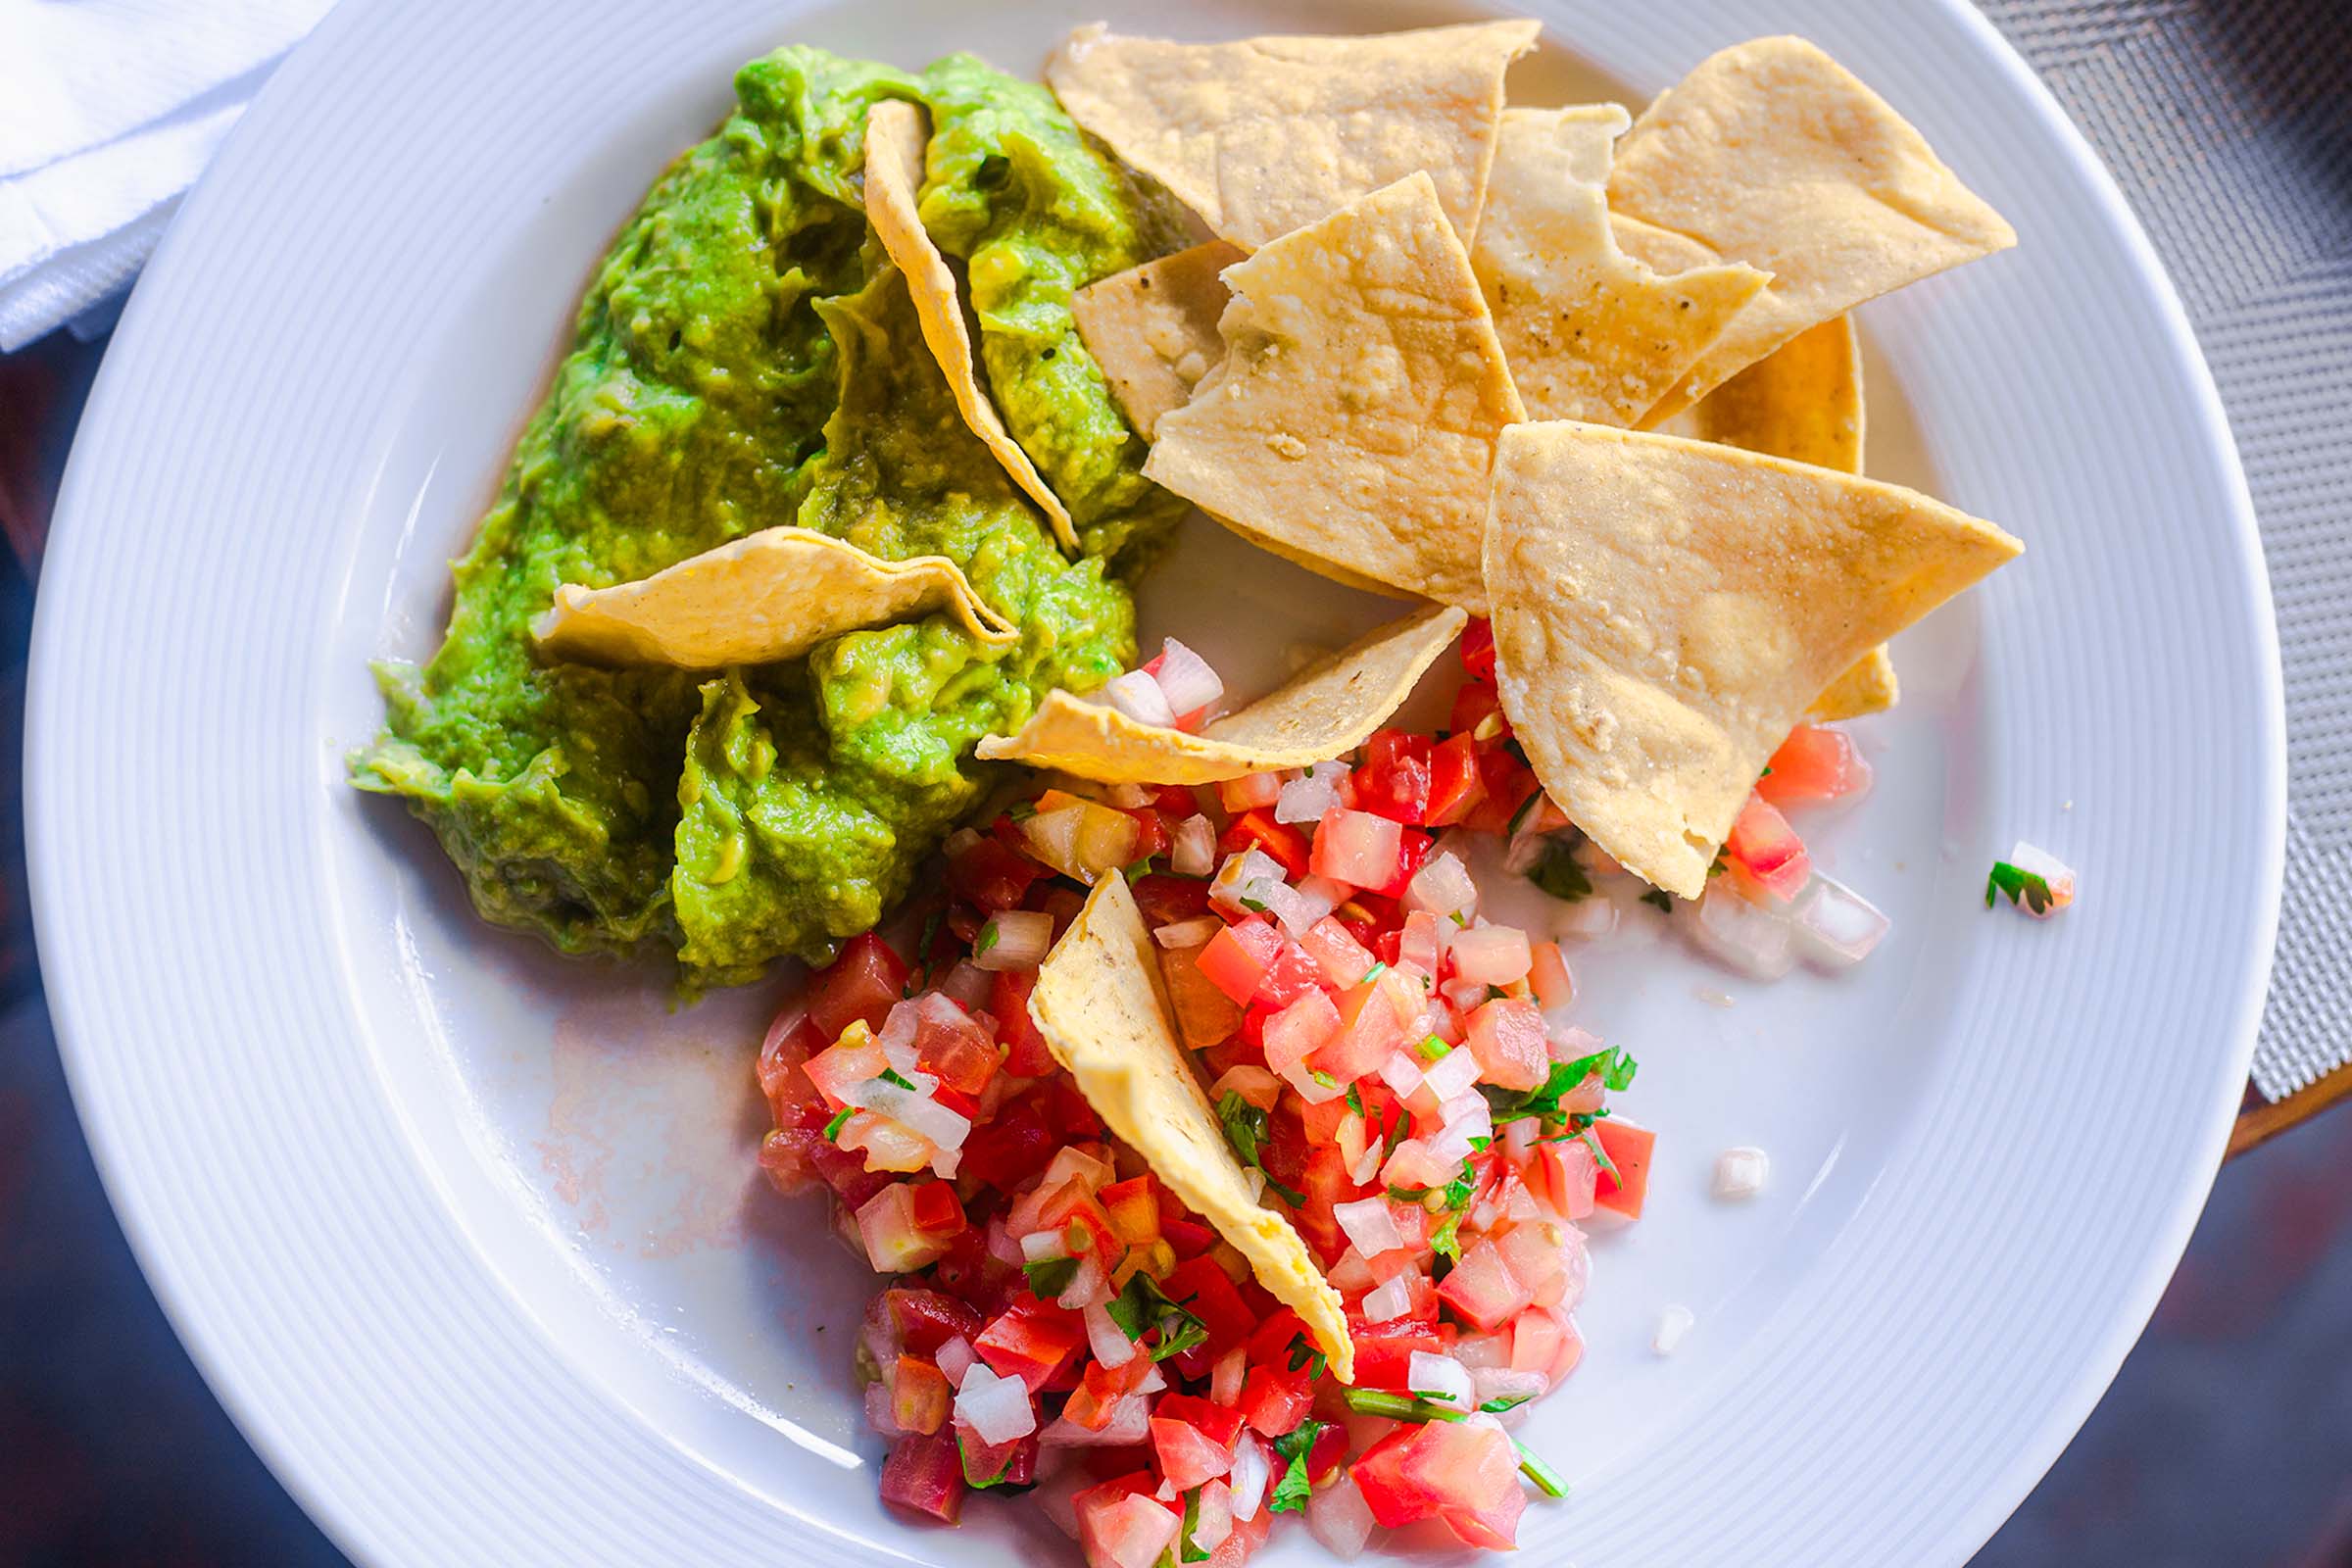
(1712, 997)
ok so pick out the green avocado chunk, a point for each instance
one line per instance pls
(745, 358)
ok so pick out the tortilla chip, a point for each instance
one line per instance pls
(768, 596)
(1270, 134)
(895, 139)
(1326, 711)
(1098, 1003)
(1353, 417)
(1665, 609)
(1773, 154)
(1591, 332)
(1803, 402)
(1153, 329)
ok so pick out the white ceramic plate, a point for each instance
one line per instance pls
(466, 1237)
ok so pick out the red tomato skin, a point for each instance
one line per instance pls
(1257, 829)
(992, 876)
(1395, 779)
(1473, 705)
(864, 982)
(1412, 853)
(1478, 652)
(1455, 785)
(1629, 1149)
(1814, 763)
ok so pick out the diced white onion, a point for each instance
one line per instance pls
(1339, 1518)
(1501, 1383)
(1022, 938)
(1367, 1167)
(1296, 908)
(1139, 697)
(1306, 798)
(1401, 1073)
(1246, 880)
(1228, 1375)
(955, 1358)
(1369, 1225)
(1249, 1474)
(958, 842)
(1130, 1423)
(1749, 937)
(1673, 1323)
(1128, 796)
(1215, 1516)
(1387, 1303)
(1835, 926)
(897, 1038)
(1440, 1377)
(1186, 680)
(997, 1408)
(2033, 859)
(1740, 1172)
(1441, 886)
(1519, 1136)
(967, 986)
(1451, 1074)
(1087, 1285)
(1585, 919)
(1188, 933)
(1069, 1162)
(1192, 847)
(1109, 1341)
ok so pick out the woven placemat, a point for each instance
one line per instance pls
(2228, 125)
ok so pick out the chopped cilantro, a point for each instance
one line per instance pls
(1291, 1492)
(922, 946)
(1616, 1069)
(1356, 1101)
(890, 1075)
(1190, 1552)
(1050, 1277)
(1400, 1406)
(1433, 1050)
(1398, 1131)
(840, 1120)
(1547, 1480)
(986, 940)
(1244, 1127)
(1561, 874)
(1659, 900)
(1445, 1242)
(1137, 871)
(2023, 887)
(1525, 806)
(1142, 1306)
(1252, 905)
(1021, 811)
(1375, 973)
(1304, 1355)
(1323, 1078)
(1505, 1401)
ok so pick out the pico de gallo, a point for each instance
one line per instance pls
(1403, 1076)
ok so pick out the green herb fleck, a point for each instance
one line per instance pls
(2021, 886)
(1400, 1406)
(1244, 1127)
(1547, 1480)
(1142, 1306)
(1292, 1447)
(1050, 1277)
(986, 940)
(1191, 1522)
(1659, 900)
(890, 1075)
(1505, 1401)
(840, 1119)
(1561, 874)
(1356, 1101)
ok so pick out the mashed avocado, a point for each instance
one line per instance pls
(745, 357)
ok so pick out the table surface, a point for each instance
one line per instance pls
(2226, 1438)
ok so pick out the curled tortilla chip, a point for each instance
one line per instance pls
(894, 171)
(1803, 402)
(1665, 610)
(1352, 419)
(1773, 154)
(1591, 334)
(1153, 329)
(1326, 711)
(1269, 134)
(768, 596)
(1100, 1006)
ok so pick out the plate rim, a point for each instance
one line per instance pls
(257, 1421)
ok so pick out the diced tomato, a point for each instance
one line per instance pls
(1026, 1055)
(1455, 785)
(1373, 1019)
(935, 1210)
(1384, 1353)
(1297, 1031)
(1547, 975)
(1220, 1424)
(955, 1048)
(1357, 847)
(1187, 1457)
(781, 1054)
(1275, 1399)
(1291, 976)
(1473, 705)
(924, 1473)
(1379, 1474)
(1509, 782)
(925, 1320)
(864, 982)
(1257, 830)
(1166, 900)
(918, 1395)
(1481, 1288)
(1412, 852)
(1248, 1535)
(1564, 1175)
(1204, 1014)
(1238, 958)
(991, 874)
(1121, 1525)
(1151, 832)
(1134, 1210)
(1629, 1149)
(1032, 1340)
(1506, 1036)
(1814, 763)
(1478, 652)
(1271, 1342)
(1330, 1447)
(1767, 849)
(1200, 1287)
(1395, 779)
(1473, 1473)
(1067, 1109)
(1187, 1238)
(1338, 956)
(1011, 1146)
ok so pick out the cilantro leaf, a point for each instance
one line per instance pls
(2021, 886)
(1142, 1306)
(1560, 874)
(1356, 1101)
(1291, 1492)
(1190, 1551)
(840, 1119)
(1050, 1277)
(1445, 1242)
(1505, 1401)
(890, 1075)
(1400, 1406)
(1244, 1127)
(1659, 900)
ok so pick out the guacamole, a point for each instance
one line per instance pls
(746, 357)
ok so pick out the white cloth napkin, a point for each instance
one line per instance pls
(109, 110)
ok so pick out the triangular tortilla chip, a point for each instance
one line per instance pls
(1100, 1006)
(768, 596)
(1773, 154)
(1352, 419)
(1324, 712)
(1269, 134)
(1803, 402)
(1591, 332)
(1665, 609)
(894, 174)
(1153, 328)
